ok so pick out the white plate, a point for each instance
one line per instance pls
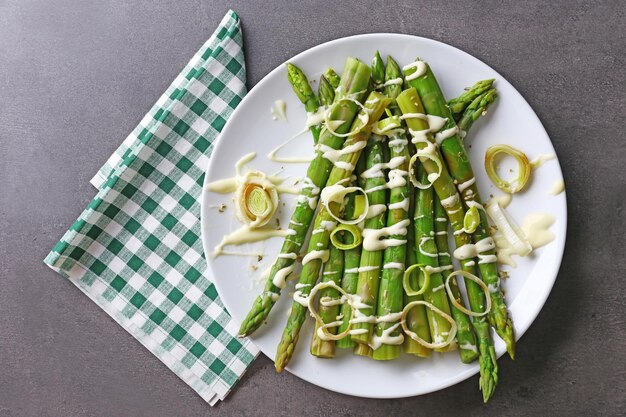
(251, 128)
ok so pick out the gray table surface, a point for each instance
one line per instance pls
(77, 76)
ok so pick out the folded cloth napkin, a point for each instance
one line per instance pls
(136, 249)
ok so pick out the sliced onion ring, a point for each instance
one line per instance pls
(354, 132)
(256, 200)
(323, 329)
(480, 283)
(338, 193)
(523, 171)
(414, 336)
(357, 238)
(407, 276)
(471, 220)
(432, 177)
(509, 229)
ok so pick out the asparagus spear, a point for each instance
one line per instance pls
(326, 92)
(476, 108)
(371, 260)
(332, 77)
(390, 299)
(303, 90)
(354, 81)
(333, 270)
(459, 104)
(465, 336)
(417, 319)
(460, 167)
(352, 258)
(410, 104)
(317, 250)
(378, 71)
(426, 254)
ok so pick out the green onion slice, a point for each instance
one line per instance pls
(406, 283)
(458, 304)
(351, 229)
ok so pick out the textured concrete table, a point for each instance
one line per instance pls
(76, 77)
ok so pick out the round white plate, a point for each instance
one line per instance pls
(251, 128)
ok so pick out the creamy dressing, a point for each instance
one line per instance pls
(468, 346)
(246, 234)
(316, 118)
(471, 250)
(465, 185)
(394, 265)
(279, 110)
(372, 238)
(376, 171)
(400, 205)
(288, 159)
(280, 278)
(448, 133)
(395, 81)
(375, 210)
(396, 179)
(322, 255)
(451, 201)
(541, 159)
(536, 227)
(420, 69)
(557, 188)
(333, 155)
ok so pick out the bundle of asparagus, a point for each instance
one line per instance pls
(392, 174)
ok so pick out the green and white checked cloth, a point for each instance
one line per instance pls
(136, 249)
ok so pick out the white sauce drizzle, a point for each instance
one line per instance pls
(400, 205)
(322, 255)
(372, 237)
(465, 185)
(375, 210)
(420, 69)
(279, 110)
(246, 234)
(541, 159)
(394, 265)
(557, 188)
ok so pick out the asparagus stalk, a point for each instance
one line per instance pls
(326, 92)
(318, 245)
(303, 90)
(371, 260)
(476, 108)
(426, 254)
(354, 82)
(352, 258)
(333, 270)
(410, 104)
(459, 104)
(465, 336)
(460, 167)
(390, 298)
(417, 319)
(332, 77)
(378, 71)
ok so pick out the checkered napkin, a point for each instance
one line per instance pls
(136, 249)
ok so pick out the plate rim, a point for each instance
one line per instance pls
(555, 266)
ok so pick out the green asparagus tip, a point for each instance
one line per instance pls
(392, 64)
(378, 70)
(488, 374)
(508, 336)
(298, 81)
